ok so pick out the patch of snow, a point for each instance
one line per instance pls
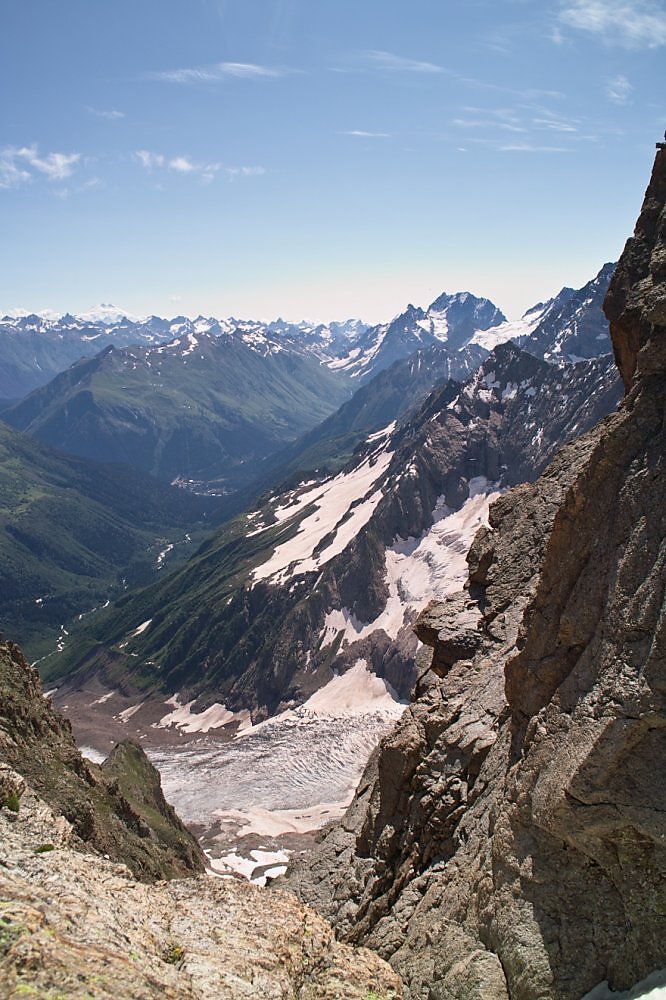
(333, 500)
(184, 718)
(103, 699)
(193, 343)
(354, 693)
(653, 987)
(127, 713)
(417, 570)
(384, 432)
(92, 755)
(275, 822)
(510, 329)
(141, 628)
(234, 862)
(163, 554)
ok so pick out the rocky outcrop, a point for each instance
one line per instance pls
(76, 923)
(636, 300)
(508, 838)
(78, 926)
(117, 810)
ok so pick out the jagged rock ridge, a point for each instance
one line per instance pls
(508, 838)
(117, 810)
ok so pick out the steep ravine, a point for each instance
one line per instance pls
(508, 838)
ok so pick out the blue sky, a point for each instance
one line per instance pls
(320, 158)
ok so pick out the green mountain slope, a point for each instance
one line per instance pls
(225, 628)
(200, 408)
(71, 530)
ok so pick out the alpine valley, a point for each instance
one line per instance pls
(423, 584)
(291, 625)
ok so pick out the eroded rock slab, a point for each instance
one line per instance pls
(79, 926)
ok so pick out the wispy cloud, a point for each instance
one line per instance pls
(244, 171)
(530, 124)
(362, 134)
(109, 115)
(631, 24)
(521, 118)
(148, 160)
(185, 166)
(218, 73)
(527, 147)
(554, 124)
(500, 118)
(618, 90)
(394, 63)
(19, 165)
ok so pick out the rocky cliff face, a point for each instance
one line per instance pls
(508, 837)
(117, 810)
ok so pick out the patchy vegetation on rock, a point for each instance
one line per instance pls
(117, 810)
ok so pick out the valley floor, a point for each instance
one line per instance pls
(258, 797)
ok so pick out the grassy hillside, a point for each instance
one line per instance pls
(200, 408)
(72, 530)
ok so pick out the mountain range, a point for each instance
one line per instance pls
(36, 347)
(332, 570)
(211, 404)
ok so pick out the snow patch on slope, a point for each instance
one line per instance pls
(184, 718)
(653, 987)
(419, 569)
(343, 505)
(510, 329)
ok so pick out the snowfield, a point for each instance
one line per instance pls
(419, 569)
(290, 774)
(343, 505)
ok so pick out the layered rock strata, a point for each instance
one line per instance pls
(509, 837)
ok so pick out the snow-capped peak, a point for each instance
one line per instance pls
(108, 314)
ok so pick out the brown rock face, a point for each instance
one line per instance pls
(635, 305)
(509, 837)
(117, 810)
(79, 926)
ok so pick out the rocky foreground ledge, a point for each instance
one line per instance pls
(76, 924)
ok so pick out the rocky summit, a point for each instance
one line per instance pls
(508, 837)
